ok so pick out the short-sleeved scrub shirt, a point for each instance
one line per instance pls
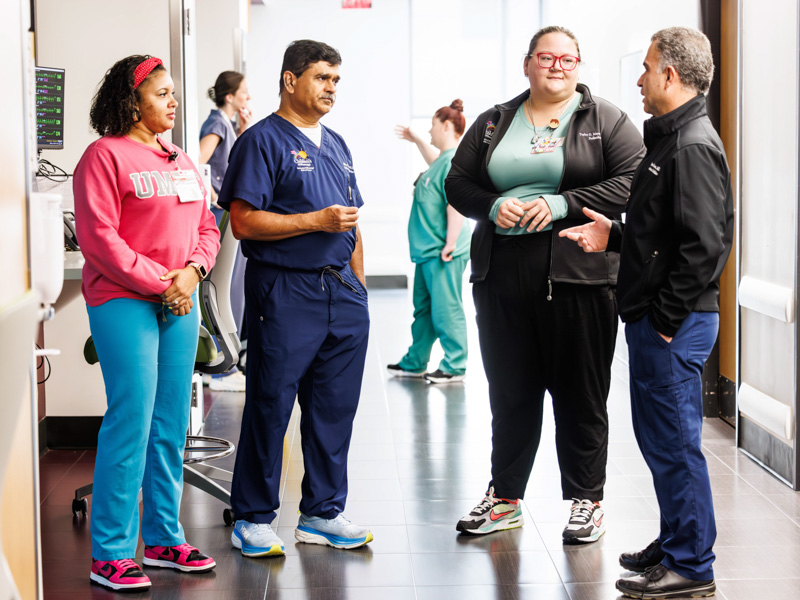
(275, 167)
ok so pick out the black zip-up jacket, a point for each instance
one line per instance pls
(678, 229)
(601, 153)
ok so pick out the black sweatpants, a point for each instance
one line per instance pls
(530, 345)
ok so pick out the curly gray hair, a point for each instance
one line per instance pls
(688, 51)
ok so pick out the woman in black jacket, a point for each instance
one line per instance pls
(547, 318)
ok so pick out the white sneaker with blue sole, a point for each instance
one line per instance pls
(256, 539)
(338, 532)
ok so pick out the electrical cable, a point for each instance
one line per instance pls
(52, 172)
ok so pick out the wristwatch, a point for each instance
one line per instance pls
(201, 270)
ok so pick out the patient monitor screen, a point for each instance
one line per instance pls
(49, 108)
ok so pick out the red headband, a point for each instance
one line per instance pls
(144, 69)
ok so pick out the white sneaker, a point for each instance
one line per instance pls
(235, 382)
(586, 523)
(337, 532)
(256, 539)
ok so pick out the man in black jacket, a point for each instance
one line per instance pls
(673, 247)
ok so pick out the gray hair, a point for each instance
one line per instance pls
(688, 51)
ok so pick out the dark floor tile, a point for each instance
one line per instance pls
(587, 564)
(477, 568)
(340, 569)
(444, 538)
(349, 593)
(595, 591)
(494, 592)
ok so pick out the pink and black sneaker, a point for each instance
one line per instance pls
(121, 574)
(183, 558)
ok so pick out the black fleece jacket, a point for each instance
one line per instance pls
(601, 153)
(678, 229)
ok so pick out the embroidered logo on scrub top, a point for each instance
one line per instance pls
(302, 161)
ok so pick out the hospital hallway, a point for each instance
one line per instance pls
(419, 461)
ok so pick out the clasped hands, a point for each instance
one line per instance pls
(535, 214)
(178, 296)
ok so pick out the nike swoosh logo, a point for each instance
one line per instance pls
(495, 516)
(598, 522)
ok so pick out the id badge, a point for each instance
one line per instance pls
(546, 145)
(187, 186)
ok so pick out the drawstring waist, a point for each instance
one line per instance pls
(331, 271)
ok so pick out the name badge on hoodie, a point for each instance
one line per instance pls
(187, 186)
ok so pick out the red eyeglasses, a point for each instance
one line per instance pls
(568, 62)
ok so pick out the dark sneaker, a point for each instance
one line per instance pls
(660, 582)
(586, 522)
(398, 371)
(119, 575)
(184, 558)
(640, 561)
(439, 376)
(492, 514)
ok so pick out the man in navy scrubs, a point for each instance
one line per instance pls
(293, 198)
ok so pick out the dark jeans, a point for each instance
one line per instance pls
(530, 345)
(667, 408)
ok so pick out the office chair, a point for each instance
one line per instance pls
(217, 323)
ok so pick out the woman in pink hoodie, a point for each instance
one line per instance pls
(148, 239)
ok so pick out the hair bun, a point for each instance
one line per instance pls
(457, 105)
(211, 94)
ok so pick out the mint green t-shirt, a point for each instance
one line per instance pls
(427, 225)
(518, 172)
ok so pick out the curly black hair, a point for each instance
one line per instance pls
(114, 109)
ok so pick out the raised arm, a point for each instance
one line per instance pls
(429, 153)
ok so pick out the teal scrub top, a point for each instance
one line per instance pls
(427, 225)
(518, 171)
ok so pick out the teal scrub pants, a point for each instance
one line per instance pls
(438, 313)
(147, 356)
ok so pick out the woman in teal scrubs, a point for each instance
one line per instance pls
(439, 239)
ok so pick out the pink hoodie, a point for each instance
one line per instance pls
(131, 226)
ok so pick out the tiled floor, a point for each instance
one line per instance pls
(419, 461)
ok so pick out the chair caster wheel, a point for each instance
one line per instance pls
(80, 507)
(228, 517)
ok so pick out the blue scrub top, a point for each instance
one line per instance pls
(275, 167)
(219, 124)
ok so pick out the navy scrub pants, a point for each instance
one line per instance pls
(667, 408)
(307, 339)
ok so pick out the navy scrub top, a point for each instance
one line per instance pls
(275, 167)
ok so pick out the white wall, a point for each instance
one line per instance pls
(86, 37)
(216, 22)
(769, 190)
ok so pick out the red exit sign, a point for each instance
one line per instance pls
(356, 3)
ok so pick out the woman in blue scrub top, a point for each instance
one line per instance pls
(439, 238)
(217, 136)
(219, 131)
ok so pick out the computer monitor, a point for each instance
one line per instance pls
(49, 108)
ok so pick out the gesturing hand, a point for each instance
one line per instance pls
(404, 133)
(337, 218)
(592, 237)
